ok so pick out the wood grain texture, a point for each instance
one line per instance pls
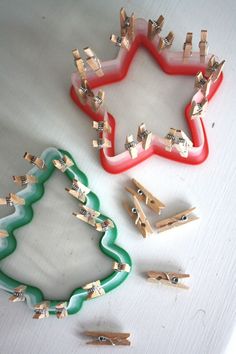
(36, 112)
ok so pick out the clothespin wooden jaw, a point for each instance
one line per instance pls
(121, 267)
(104, 226)
(93, 61)
(168, 278)
(198, 110)
(3, 234)
(79, 64)
(41, 310)
(142, 194)
(203, 44)
(155, 27)
(203, 84)
(34, 160)
(24, 180)
(119, 41)
(84, 92)
(102, 126)
(166, 42)
(187, 48)
(78, 190)
(108, 338)
(214, 68)
(94, 289)
(127, 25)
(179, 219)
(178, 139)
(97, 101)
(131, 146)
(61, 310)
(87, 215)
(63, 164)
(144, 136)
(18, 294)
(12, 200)
(102, 143)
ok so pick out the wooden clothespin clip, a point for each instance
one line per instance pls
(155, 27)
(121, 267)
(3, 234)
(94, 289)
(144, 136)
(61, 310)
(102, 143)
(122, 42)
(88, 215)
(198, 110)
(63, 164)
(168, 278)
(203, 44)
(102, 126)
(131, 146)
(79, 64)
(41, 310)
(127, 25)
(23, 180)
(34, 160)
(104, 226)
(187, 48)
(179, 219)
(18, 294)
(84, 92)
(93, 61)
(12, 200)
(138, 216)
(178, 139)
(214, 68)
(98, 100)
(166, 42)
(141, 193)
(108, 338)
(203, 84)
(78, 190)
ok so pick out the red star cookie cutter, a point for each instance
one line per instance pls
(175, 145)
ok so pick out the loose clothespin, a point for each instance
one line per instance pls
(168, 278)
(166, 42)
(138, 216)
(203, 84)
(94, 289)
(179, 219)
(97, 101)
(18, 294)
(198, 110)
(187, 48)
(12, 200)
(88, 215)
(119, 41)
(127, 25)
(104, 226)
(41, 310)
(102, 143)
(203, 44)
(131, 146)
(144, 136)
(78, 190)
(3, 234)
(178, 139)
(61, 310)
(34, 160)
(24, 180)
(102, 126)
(121, 267)
(93, 61)
(108, 338)
(155, 27)
(141, 193)
(63, 164)
(79, 64)
(214, 68)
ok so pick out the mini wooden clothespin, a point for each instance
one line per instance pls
(34, 160)
(121, 267)
(79, 64)
(144, 136)
(102, 126)
(3, 234)
(23, 180)
(93, 61)
(97, 101)
(61, 310)
(18, 294)
(187, 48)
(203, 84)
(179, 219)
(122, 42)
(88, 215)
(84, 92)
(155, 27)
(127, 25)
(214, 68)
(63, 164)
(108, 338)
(166, 42)
(131, 146)
(94, 289)
(138, 216)
(168, 278)
(198, 110)
(102, 143)
(78, 190)
(178, 139)
(12, 200)
(104, 226)
(141, 193)
(203, 44)
(41, 310)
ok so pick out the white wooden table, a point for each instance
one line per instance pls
(36, 112)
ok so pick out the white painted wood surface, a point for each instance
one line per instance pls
(36, 112)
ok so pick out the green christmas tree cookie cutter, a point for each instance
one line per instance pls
(24, 214)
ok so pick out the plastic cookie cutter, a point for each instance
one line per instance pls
(88, 211)
(134, 33)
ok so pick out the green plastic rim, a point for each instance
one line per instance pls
(23, 215)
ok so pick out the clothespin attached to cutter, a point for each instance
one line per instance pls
(104, 226)
(41, 310)
(178, 139)
(78, 190)
(94, 289)
(84, 92)
(3, 234)
(97, 101)
(11, 200)
(127, 25)
(61, 310)
(35, 160)
(131, 146)
(203, 44)
(79, 64)
(203, 84)
(119, 41)
(144, 136)
(198, 110)
(93, 61)
(166, 42)
(168, 278)
(87, 215)
(141, 193)
(179, 219)
(155, 27)
(214, 68)
(18, 294)
(102, 126)
(102, 143)
(63, 164)
(121, 267)
(187, 48)
(24, 180)
(108, 338)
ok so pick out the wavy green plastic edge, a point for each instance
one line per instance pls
(24, 214)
